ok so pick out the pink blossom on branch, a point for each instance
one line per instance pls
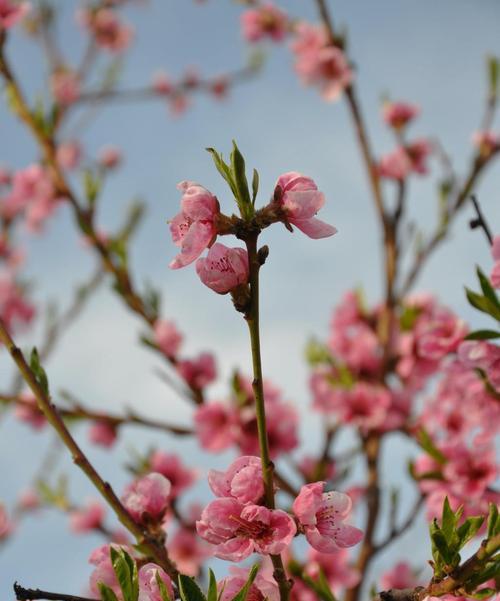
(108, 30)
(170, 466)
(167, 337)
(193, 229)
(188, 551)
(12, 12)
(102, 433)
(300, 199)
(224, 268)
(198, 372)
(147, 498)
(238, 530)
(264, 21)
(264, 586)
(321, 516)
(242, 481)
(216, 426)
(87, 518)
(399, 114)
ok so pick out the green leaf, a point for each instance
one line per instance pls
(223, 169)
(91, 186)
(324, 588)
(469, 529)
(482, 335)
(429, 447)
(483, 304)
(448, 520)
(242, 595)
(241, 183)
(493, 521)
(441, 544)
(107, 594)
(493, 73)
(189, 590)
(212, 587)
(126, 573)
(317, 353)
(487, 288)
(37, 369)
(484, 593)
(255, 185)
(164, 594)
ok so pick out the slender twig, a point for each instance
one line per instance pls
(30, 594)
(252, 318)
(480, 220)
(154, 546)
(397, 531)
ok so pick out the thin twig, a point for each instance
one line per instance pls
(30, 594)
(480, 221)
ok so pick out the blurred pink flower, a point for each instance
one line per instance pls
(167, 337)
(87, 518)
(147, 497)
(264, 21)
(224, 268)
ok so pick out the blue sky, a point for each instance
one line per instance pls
(427, 52)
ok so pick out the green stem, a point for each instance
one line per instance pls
(252, 318)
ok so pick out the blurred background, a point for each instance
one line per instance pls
(425, 52)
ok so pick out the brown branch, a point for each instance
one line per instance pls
(154, 546)
(398, 531)
(30, 594)
(480, 221)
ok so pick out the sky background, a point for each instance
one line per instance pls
(431, 53)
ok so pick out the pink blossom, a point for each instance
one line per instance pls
(102, 433)
(441, 335)
(338, 573)
(65, 86)
(219, 87)
(327, 396)
(263, 21)
(11, 13)
(170, 466)
(224, 268)
(365, 405)
(14, 308)
(264, 586)
(187, 551)
(110, 157)
(179, 103)
(6, 525)
(399, 114)
(300, 199)
(31, 186)
(88, 518)
(29, 500)
(242, 481)
(399, 577)
(486, 142)
(27, 411)
(198, 372)
(319, 63)
(167, 337)
(161, 84)
(322, 515)
(495, 253)
(395, 165)
(103, 571)
(238, 530)
(470, 470)
(107, 28)
(69, 154)
(148, 584)
(215, 426)
(193, 229)
(147, 497)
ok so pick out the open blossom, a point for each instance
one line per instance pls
(263, 587)
(31, 185)
(188, 551)
(87, 518)
(242, 481)
(148, 584)
(238, 530)
(14, 308)
(322, 515)
(263, 21)
(12, 12)
(65, 86)
(224, 268)
(441, 335)
(147, 497)
(418, 152)
(319, 63)
(170, 466)
(399, 114)
(102, 433)
(395, 165)
(365, 405)
(215, 426)
(198, 372)
(167, 337)
(193, 229)
(108, 30)
(300, 199)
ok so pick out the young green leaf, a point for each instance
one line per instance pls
(487, 288)
(429, 447)
(493, 521)
(242, 595)
(223, 169)
(483, 304)
(469, 529)
(126, 573)
(212, 587)
(255, 185)
(482, 335)
(240, 180)
(164, 594)
(189, 590)
(107, 594)
(37, 369)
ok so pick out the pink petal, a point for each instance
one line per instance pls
(236, 549)
(314, 228)
(193, 244)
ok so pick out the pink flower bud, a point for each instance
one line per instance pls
(399, 114)
(167, 337)
(87, 518)
(198, 372)
(147, 497)
(266, 20)
(102, 433)
(148, 584)
(242, 481)
(224, 268)
(110, 157)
